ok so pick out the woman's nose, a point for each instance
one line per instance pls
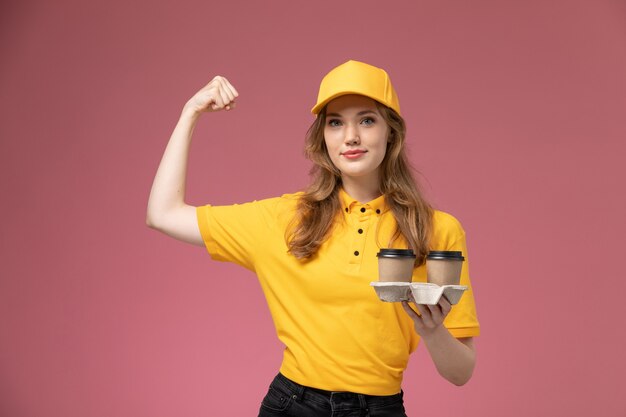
(352, 136)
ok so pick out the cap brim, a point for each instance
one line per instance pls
(319, 106)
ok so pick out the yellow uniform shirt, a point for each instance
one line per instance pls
(338, 335)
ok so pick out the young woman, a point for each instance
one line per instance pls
(314, 252)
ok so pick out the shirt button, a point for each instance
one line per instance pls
(377, 211)
(360, 231)
(362, 209)
(356, 253)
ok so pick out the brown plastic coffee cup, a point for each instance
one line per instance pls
(444, 267)
(395, 265)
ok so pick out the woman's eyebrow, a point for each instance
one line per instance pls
(361, 113)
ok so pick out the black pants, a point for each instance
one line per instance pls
(287, 398)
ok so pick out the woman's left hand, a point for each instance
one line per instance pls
(428, 317)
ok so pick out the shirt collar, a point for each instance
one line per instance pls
(348, 204)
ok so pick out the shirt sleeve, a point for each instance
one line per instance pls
(236, 233)
(462, 321)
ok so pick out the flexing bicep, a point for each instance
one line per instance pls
(181, 224)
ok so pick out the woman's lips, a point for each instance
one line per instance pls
(353, 154)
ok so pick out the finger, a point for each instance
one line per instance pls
(426, 315)
(423, 310)
(410, 311)
(212, 87)
(445, 306)
(435, 313)
(222, 85)
(231, 88)
(227, 89)
(224, 95)
(420, 307)
(215, 80)
(212, 91)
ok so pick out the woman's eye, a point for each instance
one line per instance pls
(368, 121)
(333, 122)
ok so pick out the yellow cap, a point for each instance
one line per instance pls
(354, 77)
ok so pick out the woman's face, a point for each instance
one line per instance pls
(356, 136)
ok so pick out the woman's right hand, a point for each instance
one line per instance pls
(216, 95)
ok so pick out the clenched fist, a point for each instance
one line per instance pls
(216, 95)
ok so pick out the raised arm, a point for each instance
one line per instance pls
(167, 210)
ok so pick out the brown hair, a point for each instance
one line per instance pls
(319, 205)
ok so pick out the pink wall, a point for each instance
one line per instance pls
(516, 115)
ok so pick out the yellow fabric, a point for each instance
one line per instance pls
(354, 77)
(338, 335)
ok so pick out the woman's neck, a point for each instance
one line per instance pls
(363, 189)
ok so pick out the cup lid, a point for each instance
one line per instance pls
(396, 253)
(446, 255)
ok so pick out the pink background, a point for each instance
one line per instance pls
(516, 115)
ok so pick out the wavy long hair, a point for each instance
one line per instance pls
(319, 205)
